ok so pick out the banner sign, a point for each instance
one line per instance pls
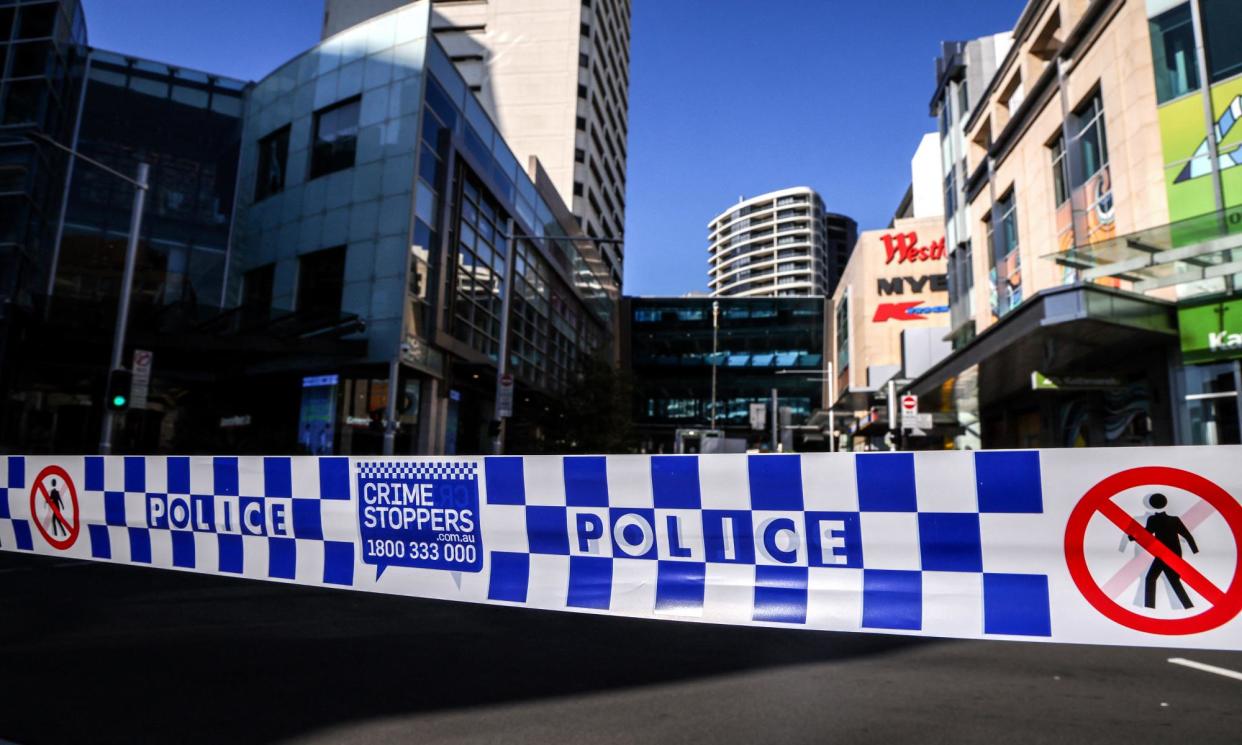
(1129, 546)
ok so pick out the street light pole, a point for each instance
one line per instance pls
(502, 361)
(127, 282)
(715, 329)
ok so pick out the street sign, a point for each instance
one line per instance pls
(758, 416)
(911, 419)
(504, 397)
(140, 383)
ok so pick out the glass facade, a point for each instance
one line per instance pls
(41, 52)
(670, 355)
(373, 161)
(186, 125)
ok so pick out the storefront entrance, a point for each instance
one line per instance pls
(1210, 413)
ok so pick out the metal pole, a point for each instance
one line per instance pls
(390, 408)
(892, 413)
(502, 363)
(1209, 115)
(776, 415)
(832, 415)
(715, 329)
(127, 284)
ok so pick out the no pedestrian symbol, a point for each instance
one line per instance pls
(54, 507)
(1223, 605)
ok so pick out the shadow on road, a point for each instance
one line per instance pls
(101, 653)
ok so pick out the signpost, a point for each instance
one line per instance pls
(1211, 332)
(140, 384)
(758, 416)
(911, 420)
(504, 397)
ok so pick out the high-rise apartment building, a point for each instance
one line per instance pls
(554, 76)
(778, 244)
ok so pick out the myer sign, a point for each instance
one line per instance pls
(1211, 332)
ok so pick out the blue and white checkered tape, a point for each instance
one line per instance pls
(945, 544)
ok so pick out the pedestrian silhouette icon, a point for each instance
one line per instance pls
(1169, 530)
(58, 525)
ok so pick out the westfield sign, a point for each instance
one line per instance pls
(905, 247)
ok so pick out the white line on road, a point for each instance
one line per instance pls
(1206, 668)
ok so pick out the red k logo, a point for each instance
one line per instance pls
(897, 312)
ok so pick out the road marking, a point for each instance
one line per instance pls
(1206, 668)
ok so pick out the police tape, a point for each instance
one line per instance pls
(1134, 546)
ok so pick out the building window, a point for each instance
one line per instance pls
(585, 29)
(963, 99)
(257, 291)
(1222, 28)
(580, 123)
(336, 137)
(582, 91)
(577, 188)
(950, 193)
(579, 155)
(1060, 176)
(1173, 53)
(583, 60)
(961, 285)
(273, 158)
(479, 279)
(1092, 144)
(1090, 154)
(1006, 263)
(321, 277)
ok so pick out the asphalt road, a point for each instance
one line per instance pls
(93, 653)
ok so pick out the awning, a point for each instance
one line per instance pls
(1192, 250)
(1076, 329)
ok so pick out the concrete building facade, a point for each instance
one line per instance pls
(554, 76)
(776, 245)
(1101, 198)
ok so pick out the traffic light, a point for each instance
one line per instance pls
(119, 383)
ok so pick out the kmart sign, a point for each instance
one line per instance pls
(1211, 332)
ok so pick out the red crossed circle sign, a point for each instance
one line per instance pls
(39, 492)
(1224, 604)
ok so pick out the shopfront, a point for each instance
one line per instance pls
(1208, 381)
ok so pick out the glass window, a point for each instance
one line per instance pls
(843, 333)
(1173, 53)
(336, 137)
(321, 277)
(257, 290)
(1088, 121)
(1060, 180)
(273, 158)
(1007, 211)
(1222, 30)
(950, 194)
(963, 98)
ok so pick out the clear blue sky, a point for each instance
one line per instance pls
(727, 98)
